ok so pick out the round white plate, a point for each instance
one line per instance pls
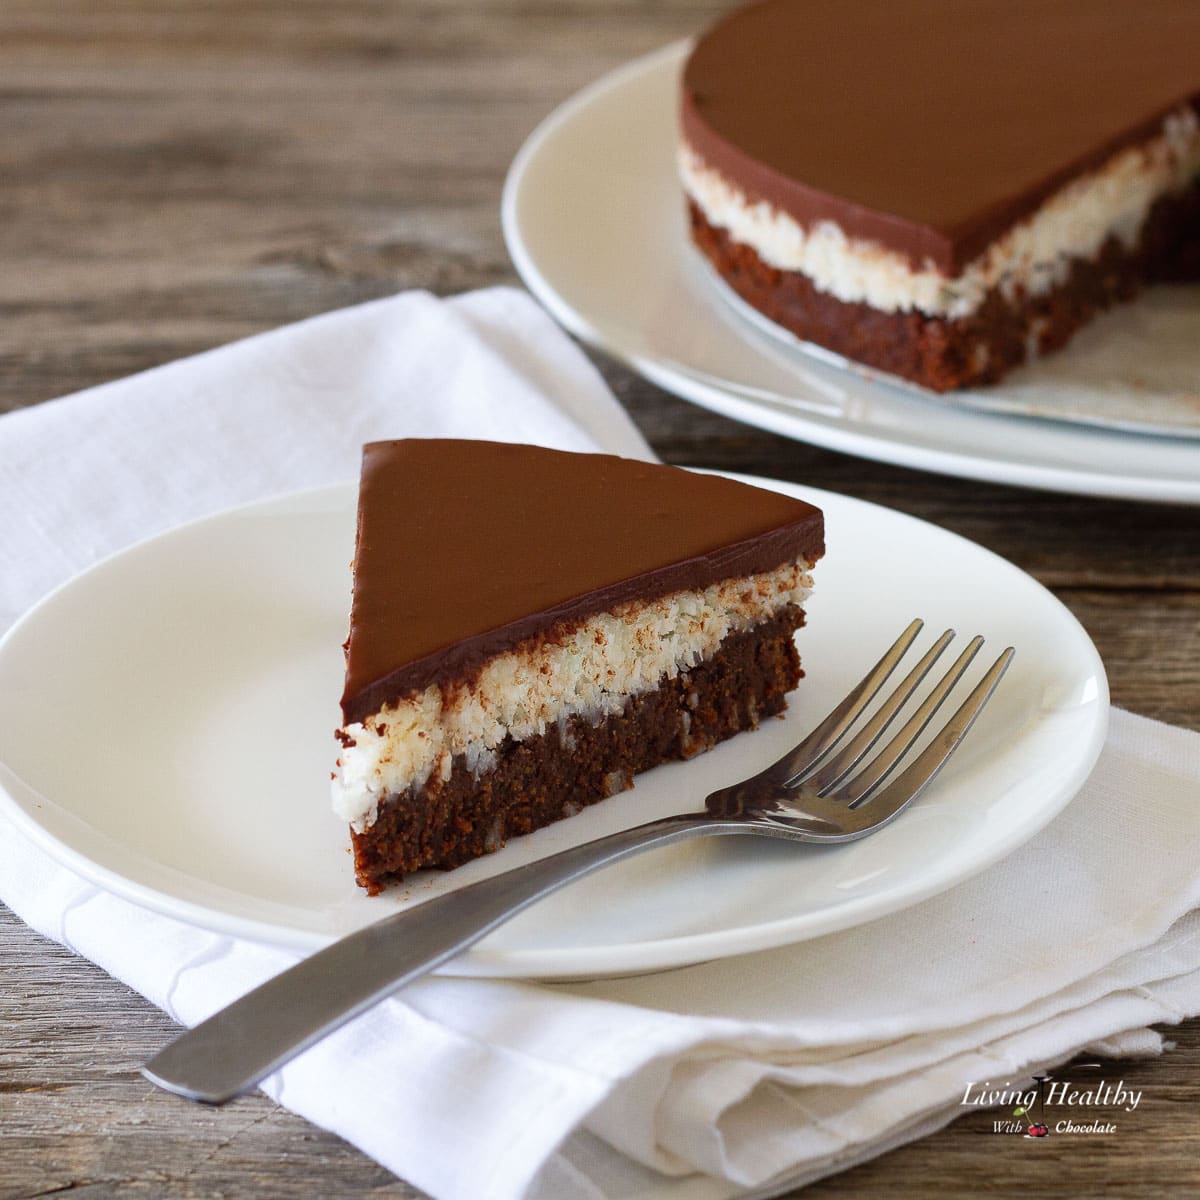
(594, 221)
(167, 718)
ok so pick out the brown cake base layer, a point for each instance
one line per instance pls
(943, 353)
(543, 779)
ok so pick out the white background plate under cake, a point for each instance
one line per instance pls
(594, 220)
(166, 730)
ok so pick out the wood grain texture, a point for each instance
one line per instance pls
(176, 175)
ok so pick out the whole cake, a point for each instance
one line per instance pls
(943, 188)
(530, 628)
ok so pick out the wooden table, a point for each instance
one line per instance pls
(177, 175)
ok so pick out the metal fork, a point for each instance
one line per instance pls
(823, 790)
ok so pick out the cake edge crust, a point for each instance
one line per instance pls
(451, 820)
(946, 354)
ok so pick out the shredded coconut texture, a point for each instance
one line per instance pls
(1032, 257)
(589, 670)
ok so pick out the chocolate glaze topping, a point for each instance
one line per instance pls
(464, 548)
(932, 126)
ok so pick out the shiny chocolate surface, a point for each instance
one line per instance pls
(464, 548)
(931, 126)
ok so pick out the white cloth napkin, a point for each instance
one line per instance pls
(739, 1077)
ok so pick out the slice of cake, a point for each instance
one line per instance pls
(530, 628)
(942, 189)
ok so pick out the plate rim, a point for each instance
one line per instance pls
(569, 962)
(793, 423)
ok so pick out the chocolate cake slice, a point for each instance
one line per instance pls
(944, 188)
(531, 628)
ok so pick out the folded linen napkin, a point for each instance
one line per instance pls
(742, 1077)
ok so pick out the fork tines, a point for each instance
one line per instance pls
(827, 758)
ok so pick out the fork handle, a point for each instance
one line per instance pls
(243, 1043)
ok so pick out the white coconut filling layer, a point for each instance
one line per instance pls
(591, 673)
(1032, 257)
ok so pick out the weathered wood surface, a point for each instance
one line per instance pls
(175, 175)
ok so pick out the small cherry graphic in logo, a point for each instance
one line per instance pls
(1038, 1130)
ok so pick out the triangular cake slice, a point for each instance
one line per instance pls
(530, 628)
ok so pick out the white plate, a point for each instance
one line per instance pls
(593, 218)
(166, 725)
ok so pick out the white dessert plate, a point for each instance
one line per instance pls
(593, 217)
(167, 718)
